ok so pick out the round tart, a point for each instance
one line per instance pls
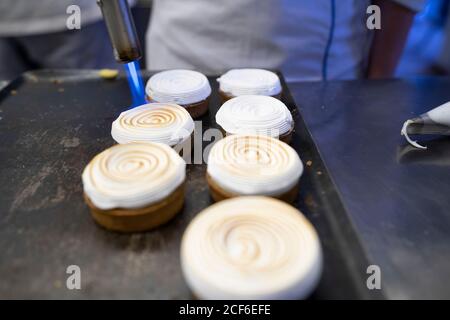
(253, 165)
(188, 88)
(256, 115)
(166, 123)
(134, 187)
(238, 82)
(256, 248)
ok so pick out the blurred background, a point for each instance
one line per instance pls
(427, 51)
(35, 36)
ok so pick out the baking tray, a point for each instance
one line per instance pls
(51, 124)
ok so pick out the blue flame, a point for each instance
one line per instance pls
(135, 82)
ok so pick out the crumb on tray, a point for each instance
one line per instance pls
(108, 74)
(33, 78)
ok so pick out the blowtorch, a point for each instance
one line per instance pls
(125, 42)
(121, 30)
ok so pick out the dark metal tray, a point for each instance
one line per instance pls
(51, 124)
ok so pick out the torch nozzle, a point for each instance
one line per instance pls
(121, 30)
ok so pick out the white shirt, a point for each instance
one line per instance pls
(213, 36)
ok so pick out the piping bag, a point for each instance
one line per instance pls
(435, 121)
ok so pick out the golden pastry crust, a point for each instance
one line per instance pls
(140, 219)
(196, 109)
(224, 97)
(219, 194)
(286, 137)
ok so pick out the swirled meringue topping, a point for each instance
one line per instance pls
(239, 82)
(251, 248)
(255, 115)
(133, 175)
(254, 165)
(154, 122)
(178, 86)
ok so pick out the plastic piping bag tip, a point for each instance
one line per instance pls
(404, 133)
